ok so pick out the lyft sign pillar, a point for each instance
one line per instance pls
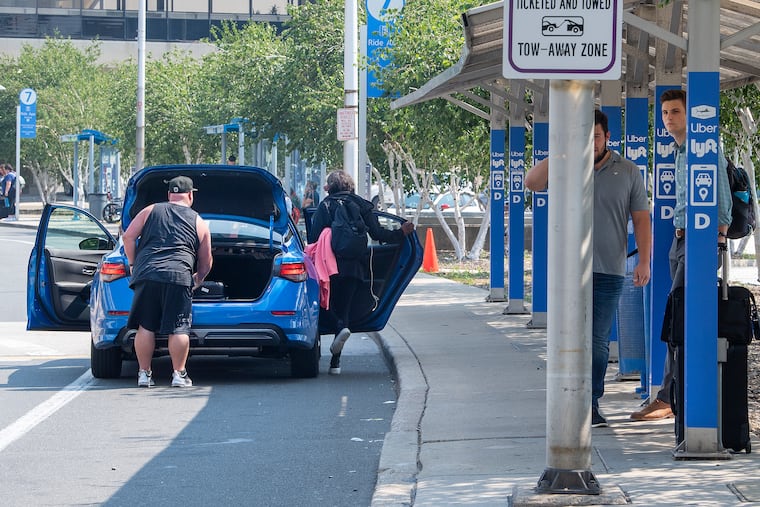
(540, 229)
(498, 122)
(662, 237)
(516, 219)
(701, 436)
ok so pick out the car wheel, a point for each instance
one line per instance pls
(105, 363)
(304, 363)
(111, 213)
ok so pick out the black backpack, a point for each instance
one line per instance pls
(349, 232)
(742, 209)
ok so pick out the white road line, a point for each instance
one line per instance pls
(38, 414)
(29, 348)
(9, 240)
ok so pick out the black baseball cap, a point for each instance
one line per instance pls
(181, 185)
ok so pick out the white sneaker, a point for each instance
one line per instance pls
(339, 341)
(145, 378)
(181, 379)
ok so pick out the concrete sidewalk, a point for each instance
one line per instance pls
(470, 424)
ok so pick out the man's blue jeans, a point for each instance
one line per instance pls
(607, 290)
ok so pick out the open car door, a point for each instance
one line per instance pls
(390, 268)
(69, 246)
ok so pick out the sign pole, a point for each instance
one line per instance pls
(18, 153)
(572, 44)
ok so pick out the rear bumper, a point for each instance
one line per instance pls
(227, 340)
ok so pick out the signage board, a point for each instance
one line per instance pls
(562, 39)
(27, 113)
(347, 123)
(381, 16)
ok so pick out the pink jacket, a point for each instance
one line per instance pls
(322, 256)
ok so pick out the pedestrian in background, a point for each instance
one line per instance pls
(8, 188)
(351, 270)
(310, 195)
(173, 239)
(673, 110)
(619, 192)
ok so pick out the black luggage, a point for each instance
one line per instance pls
(738, 324)
(5, 207)
(210, 291)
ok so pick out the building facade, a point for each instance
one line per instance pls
(166, 20)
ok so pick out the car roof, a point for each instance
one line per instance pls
(223, 190)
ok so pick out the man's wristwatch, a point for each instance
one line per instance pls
(722, 234)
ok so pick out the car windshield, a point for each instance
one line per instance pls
(222, 229)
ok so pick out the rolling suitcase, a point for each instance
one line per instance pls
(738, 324)
(210, 291)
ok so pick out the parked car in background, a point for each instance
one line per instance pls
(469, 203)
(412, 202)
(387, 195)
(262, 295)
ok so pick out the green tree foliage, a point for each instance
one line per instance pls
(69, 85)
(309, 87)
(441, 137)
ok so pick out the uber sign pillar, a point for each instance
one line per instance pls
(662, 237)
(497, 214)
(701, 314)
(516, 220)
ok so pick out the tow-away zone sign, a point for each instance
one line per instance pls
(562, 39)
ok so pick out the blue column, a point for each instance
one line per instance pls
(662, 237)
(615, 126)
(701, 356)
(516, 220)
(540, 230)
(497, 214)
(637, 151)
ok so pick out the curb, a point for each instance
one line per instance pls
(399, 459)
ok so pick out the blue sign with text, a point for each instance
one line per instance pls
(540, 223)
(379, 23)
(662, 238)
(497, 209)
(27, 113)
(701, 314)
(516, 212)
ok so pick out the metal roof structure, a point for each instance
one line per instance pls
(480, 63)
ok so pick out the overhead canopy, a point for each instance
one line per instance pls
(481, 60)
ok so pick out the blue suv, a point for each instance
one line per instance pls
(262, 298)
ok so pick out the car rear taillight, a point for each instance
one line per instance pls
(293, 271)
(110, 271)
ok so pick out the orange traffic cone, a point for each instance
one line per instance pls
(430, 256)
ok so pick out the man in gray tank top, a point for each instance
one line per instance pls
(173, 239)
(619, 192)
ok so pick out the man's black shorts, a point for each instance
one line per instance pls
(163, 308)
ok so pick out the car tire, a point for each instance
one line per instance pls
(105, 363)
(111, 213)
(304, 363)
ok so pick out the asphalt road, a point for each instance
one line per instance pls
(247, 434)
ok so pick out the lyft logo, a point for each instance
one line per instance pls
(702, 149)
(635, 153)
(665, 150)
(516, 164)
(497, 163)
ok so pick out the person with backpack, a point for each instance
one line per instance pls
(673, 104)
(8, 190)
(350, 218)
